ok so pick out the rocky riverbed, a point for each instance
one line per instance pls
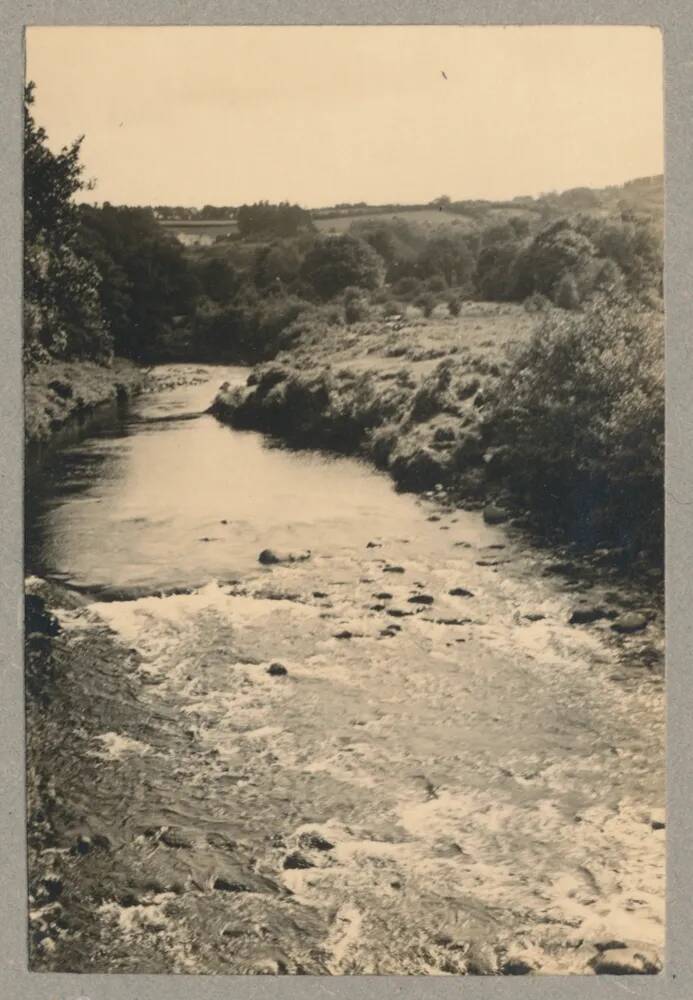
(419, 746)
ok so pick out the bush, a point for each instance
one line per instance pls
(567, 295)
(454, 307)
(426, 303)
(536, 302)
(393, 308)
(355, 311)
(581, 416)
(436, 284)
(356, 306)
(408, 288)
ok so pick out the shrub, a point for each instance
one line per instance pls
(581, 413)
(408, 288)
(381, 295)
(426, 303)
(536, 302)
(436, 283)
(393, 308)
(355, 311)
(454, 307)
(567, 295)
(356, 306)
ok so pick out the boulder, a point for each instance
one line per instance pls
(631, 621)
(418, 468)
(315, 842)
(277, 670)
(494, 514)
(626, 962)
(297, 860)
(223, 884)
(268, 557)
(175, 837)
(585, 614)
(516, 967)
(658, 819)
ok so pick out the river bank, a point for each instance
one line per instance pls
(424, 401)
(60, 391)
(403, 754)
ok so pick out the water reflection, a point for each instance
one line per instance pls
(162, 495)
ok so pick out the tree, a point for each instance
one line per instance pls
(61, 287)
(334, 263)
(218, 279)
(555, 250)
(264, 219)
(495, 271)
(276, 265)
(448, 257)
(147, 281)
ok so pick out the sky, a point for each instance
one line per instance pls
(321, 115)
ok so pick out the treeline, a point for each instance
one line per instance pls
(109, 279)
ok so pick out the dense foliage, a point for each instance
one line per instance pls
(335, 263)
(62, 315)
(264, 219)
(147, 287)
(579, 421)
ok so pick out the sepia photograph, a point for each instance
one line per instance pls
(344, 500)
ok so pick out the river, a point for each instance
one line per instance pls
(436, 783)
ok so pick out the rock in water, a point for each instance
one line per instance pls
(626, 962)
(315, 841)
(631, 621)
(516, 967)
(658, 819)
(268, 557)
(277, 670)
(585, 614)
(494, 514)
(297, 860)
(175, 837)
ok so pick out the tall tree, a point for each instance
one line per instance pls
(62, 314)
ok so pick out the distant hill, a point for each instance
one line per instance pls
(642, 196)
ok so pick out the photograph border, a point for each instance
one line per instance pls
(675, 20)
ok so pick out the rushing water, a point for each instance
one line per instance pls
(434, 786)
